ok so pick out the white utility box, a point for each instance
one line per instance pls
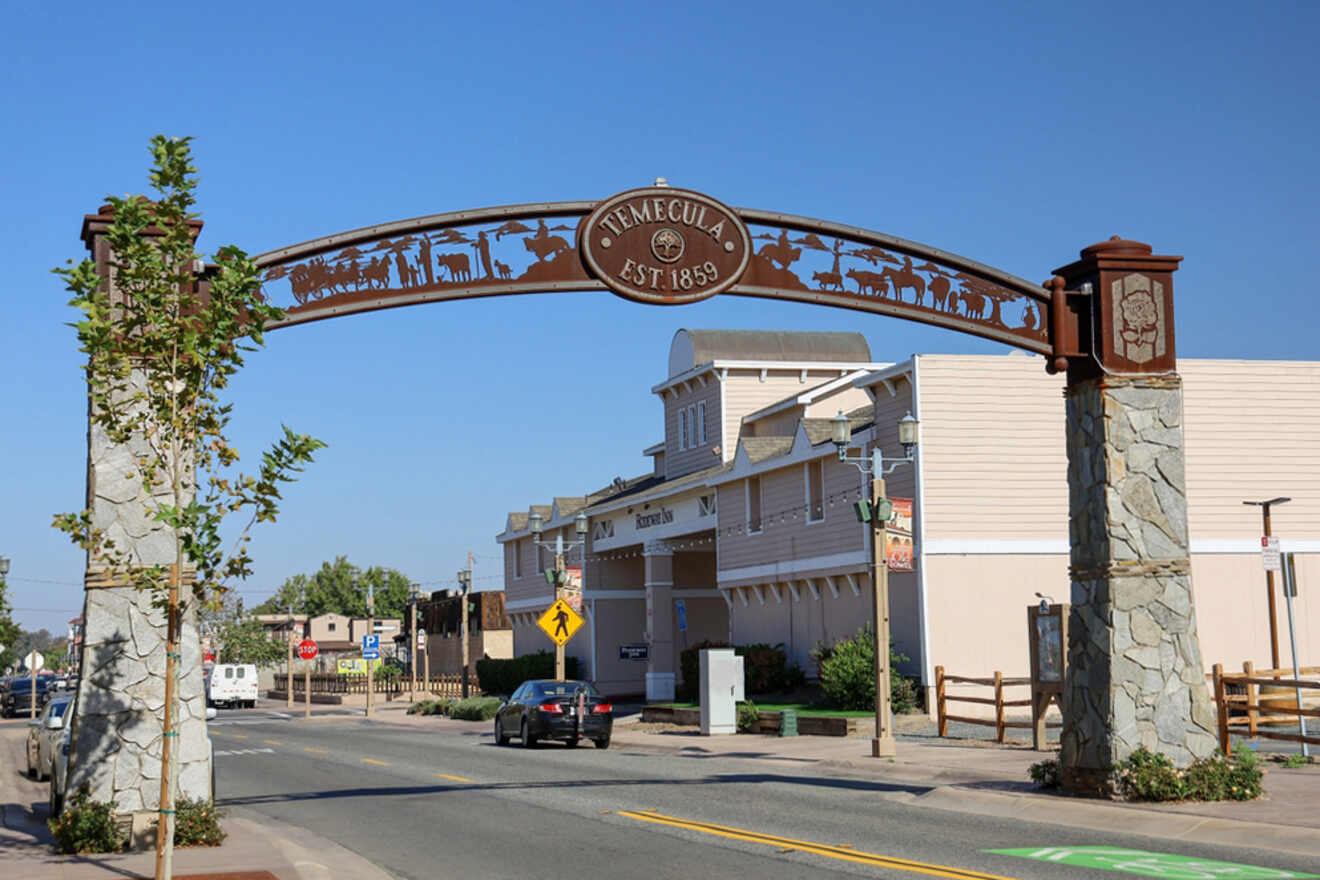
(722, 679)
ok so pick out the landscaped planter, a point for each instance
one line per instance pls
(808, 725)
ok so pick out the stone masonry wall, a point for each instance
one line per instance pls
(121, 694)
(1134, 674)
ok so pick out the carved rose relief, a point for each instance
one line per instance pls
(1139, 331)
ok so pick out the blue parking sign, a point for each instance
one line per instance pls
(371, 647)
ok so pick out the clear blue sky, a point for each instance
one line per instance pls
(1014, 134)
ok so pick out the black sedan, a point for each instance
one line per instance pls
(564, 710)
(17, 696)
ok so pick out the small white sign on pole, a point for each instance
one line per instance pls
(1269, 553)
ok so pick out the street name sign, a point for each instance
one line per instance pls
(559, 622)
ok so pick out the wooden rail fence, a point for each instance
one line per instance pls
(998, 682)
(440, 685)
(1244, 708)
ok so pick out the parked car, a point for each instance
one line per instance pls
(17, 698)
(570, 711)
(44, 732)
(232, 684)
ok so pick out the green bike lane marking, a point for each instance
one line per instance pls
(1149, 864)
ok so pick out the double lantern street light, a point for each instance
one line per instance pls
(557, 575)
(876, 508)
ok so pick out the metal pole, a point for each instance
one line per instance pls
(1269, 589)
(559, 594)
(465, 589)
(426, 668)
(1290, 587)
(882, 745)
(371, 630)
(288, 684)
(307, 683)
(412, 649)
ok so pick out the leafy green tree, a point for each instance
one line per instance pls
(246, 641)
(340, 587)
(10, 632)
(162, 343)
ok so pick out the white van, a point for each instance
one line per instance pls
(232, 684)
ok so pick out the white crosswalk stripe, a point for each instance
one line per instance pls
(222, 753)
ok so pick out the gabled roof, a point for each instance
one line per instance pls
(690, 348)
(811, 395)
(760, 448)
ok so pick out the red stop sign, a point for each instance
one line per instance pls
(307, 649)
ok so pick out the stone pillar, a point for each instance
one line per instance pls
(121, 693)
(659, 620)
(1134, 675)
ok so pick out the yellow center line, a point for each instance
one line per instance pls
(315, 751)
(272, 742)
(239, 735)
(823, 849)
(374, 761)
(455, 778)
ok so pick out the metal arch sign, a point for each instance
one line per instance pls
(664, 246)
(668, 246)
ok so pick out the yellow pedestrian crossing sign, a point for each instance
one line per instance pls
(560, 621)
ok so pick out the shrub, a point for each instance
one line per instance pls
(86, 826)
(767, 667)
(847, 674)
(1150, 776)
(474, 708)
(748, 717)
(197, 823)
(504, 676)
(1046, 773)
(1296, 760)
(431, 707)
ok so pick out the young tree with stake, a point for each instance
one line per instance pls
(163, 336)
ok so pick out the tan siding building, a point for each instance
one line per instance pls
(760, 543)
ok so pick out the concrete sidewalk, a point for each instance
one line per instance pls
(253, 851)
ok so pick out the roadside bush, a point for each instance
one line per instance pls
(748, 717)
(86, 826)
(197, 823)
(1149, 776)
(1046, 773)
(767, 667)
(474, 708)
(847, 674)
(431, 707)
(504, 676)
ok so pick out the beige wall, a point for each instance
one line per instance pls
(619, 622)
(447, 653)
(783, 492)
(320, 628)
(678, 463)
(745, 393)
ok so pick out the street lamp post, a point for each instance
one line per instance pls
(882, 745)
(371, 629)
(1269, 577)
(556, 575)
(412, 649)
(464, 588)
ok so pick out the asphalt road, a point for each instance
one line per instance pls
(445, 801)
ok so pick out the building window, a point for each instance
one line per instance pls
(753, 505)
(816, 490)
(331, 626)
(692, 426)
(682, 429)
(517, 559)
(701, 423)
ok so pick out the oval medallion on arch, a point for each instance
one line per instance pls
(664, 246)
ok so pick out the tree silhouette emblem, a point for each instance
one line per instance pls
(667, 244)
